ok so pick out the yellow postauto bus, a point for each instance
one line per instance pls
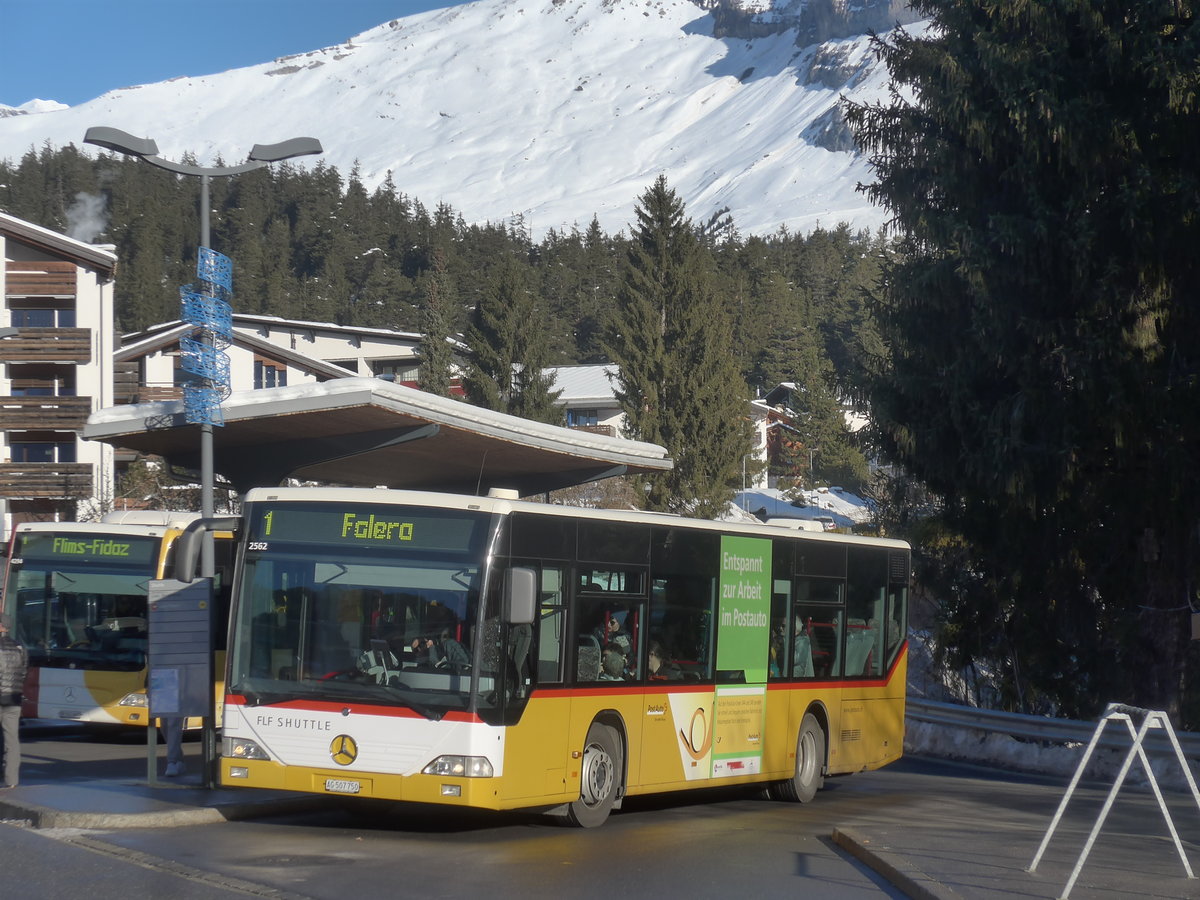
(76, 596)
(493, 653)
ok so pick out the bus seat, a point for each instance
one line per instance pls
(859, 639)
(379, 662)
(587, 666)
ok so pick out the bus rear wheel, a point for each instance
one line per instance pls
(810, 761)
(600, 776)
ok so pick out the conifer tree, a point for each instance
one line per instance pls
(679, 385)
(1044, 330)
(434, 370)
(508, 349)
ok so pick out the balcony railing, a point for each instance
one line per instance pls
(45, 481)
(596, 429)
(44, 413)
(50, 345)
(40, 278)
(151, 393)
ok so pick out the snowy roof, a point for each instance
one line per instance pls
(247, 321)
(585, 384)
(252, 342)
(101, 257)
(369, 432)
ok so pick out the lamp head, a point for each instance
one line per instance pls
(301, 146)
(120, 141)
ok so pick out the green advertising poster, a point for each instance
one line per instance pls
(745, 610)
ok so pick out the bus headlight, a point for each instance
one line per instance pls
(138, 699)
(460, 767)
(242, 748)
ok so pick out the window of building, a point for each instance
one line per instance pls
(43, 318)
(397, 370)
(33, 448)
(269, 374)
(42, 380)
(577, 418)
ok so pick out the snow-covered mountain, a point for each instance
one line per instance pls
(552, 110)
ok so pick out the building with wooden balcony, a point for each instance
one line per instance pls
(587, 394)
(56, 351)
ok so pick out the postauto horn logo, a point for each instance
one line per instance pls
(343, 749)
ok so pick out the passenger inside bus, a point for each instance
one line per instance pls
(659, 667)
(610, 632)
(613, 665)
(778, 648)
(442, 652)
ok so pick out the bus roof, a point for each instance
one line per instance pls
(127, 529)
(173, 518)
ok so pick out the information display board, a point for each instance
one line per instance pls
(180, 620)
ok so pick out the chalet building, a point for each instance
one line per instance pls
(775, 421)
(56, 346)
(587, 395)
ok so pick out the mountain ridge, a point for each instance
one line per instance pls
(547, 113)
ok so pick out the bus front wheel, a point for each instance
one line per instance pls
(600, 776)
(810, 761)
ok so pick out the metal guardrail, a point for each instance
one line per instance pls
(1041, 728)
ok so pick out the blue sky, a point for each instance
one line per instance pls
(73, 51)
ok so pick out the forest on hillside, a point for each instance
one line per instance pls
(316, 245)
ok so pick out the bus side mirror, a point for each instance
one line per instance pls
(187, 545)
(520, 595)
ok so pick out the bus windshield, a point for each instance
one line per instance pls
(359, 603)
(80, 598)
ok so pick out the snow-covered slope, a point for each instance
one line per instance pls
(553, 110)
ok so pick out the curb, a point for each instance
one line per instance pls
(897, 870)
(44, 817)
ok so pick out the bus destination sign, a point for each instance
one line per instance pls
(86, 547)
(404, 528)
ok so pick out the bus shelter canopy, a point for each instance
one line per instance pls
(371, 433)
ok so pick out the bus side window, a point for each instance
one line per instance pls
(608, 626)
(817, 632)
(551, 620)
(816, 642)
(778, 663)
(866, 590)
(896, 615)
(680, 618)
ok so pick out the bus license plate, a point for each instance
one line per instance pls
(341, 786)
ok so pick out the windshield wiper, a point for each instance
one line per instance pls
(352, 692)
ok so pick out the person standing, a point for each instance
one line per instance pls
(13, 663)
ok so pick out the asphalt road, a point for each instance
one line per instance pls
(955, 831)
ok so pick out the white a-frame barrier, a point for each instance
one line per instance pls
(1116, 712)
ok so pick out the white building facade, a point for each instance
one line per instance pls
(268, 351)
(57, 354)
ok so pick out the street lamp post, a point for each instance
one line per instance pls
(261, 155)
